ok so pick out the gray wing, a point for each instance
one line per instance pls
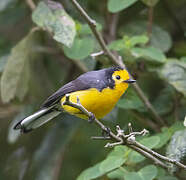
(91, 79)
(67, 88)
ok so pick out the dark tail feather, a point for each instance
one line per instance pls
(37, 119)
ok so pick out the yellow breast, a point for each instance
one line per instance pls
(99, 103)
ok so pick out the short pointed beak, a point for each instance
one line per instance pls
(130, 81)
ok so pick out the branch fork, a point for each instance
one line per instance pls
(124, 139)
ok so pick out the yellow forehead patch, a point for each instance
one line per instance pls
(124, 75)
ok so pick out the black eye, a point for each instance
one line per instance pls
(118, 77)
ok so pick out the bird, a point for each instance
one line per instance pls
(97, 91)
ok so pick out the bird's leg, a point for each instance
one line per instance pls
(91, 117)
(106, 133)
(58, 108)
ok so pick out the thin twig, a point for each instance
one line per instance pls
(57, 166)
(148, 104)
(159, 156)
(92, 25)
(142, 133)
(149, 156)
(31, 4)
(111, 26)
(93, 55)
(100, 138)
(146, 122)
(150, 21)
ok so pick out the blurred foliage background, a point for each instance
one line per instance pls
(44, 45)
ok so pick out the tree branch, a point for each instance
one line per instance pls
(117, 61)
(150, 21)
(31, 4)
(146, 122)
(149, 156)
(122, 139)
(92, 25)
(111, 22)
(88, 114)
(159, 156)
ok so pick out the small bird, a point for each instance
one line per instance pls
(97, 91)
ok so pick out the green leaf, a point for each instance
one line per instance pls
(117, 45)
(117, 174)
(150, 3)
(167, 133)
(135, 157)
(167, 178)
(150, 54)
(91, 173)
(161, 172)
(80, 49)
(131, 101)
(53, 18)
(148, 172)
(111, 163)
(115, 159)
(84, 29)
(150, 142)
(183, 59)
(140, 39)
(132, 176)
(164, 138)
(176, 127)
(119, 150)
(128, 42)
(160, 38)
(163, 103)
(175, 73)
(15, 77)
(118, 5)
(177, 148)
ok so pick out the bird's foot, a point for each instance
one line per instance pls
(106, 133)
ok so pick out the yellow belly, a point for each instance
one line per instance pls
(99, 103)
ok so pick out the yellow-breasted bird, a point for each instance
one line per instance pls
(97, 91)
